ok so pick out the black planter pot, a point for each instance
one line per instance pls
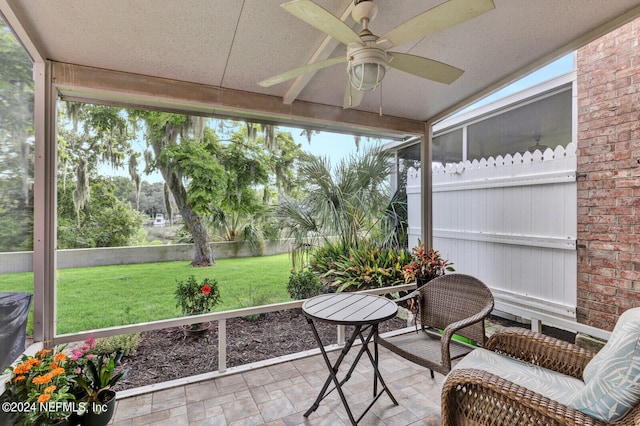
(98, 417)
(421, 281)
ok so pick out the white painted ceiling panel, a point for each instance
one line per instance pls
(236, 43)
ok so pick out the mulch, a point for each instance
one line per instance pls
(167, 354)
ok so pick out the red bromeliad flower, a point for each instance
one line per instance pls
(206, 289)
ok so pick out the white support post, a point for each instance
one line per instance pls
(44, 245)
(427, 186)
(341, 334)
(536, 325)
(222, 345)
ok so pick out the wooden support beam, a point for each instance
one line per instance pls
(87, 84)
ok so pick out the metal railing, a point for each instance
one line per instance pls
(220, 317)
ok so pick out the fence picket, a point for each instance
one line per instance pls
(511, 221)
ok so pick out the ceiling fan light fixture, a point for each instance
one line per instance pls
(366, 68)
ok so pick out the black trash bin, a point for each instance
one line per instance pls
(14, 310)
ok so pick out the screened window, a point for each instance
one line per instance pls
(447, 147)
(16, 146)
(536, 125)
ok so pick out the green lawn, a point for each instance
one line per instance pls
(105, 296)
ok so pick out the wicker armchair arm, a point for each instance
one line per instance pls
(486, 399)
(451, 329)
(539, 349)
(411, 295)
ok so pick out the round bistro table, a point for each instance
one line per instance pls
(364, 312)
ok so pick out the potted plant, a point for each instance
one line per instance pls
(425, 265)
(195, 298)
(97, 375)
(39, 390)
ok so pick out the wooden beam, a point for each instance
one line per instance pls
(323, 51)
(87, 84)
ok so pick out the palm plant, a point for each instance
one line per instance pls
(236, 226)
(342, 205)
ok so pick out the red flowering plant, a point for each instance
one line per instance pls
(195, 298)
(425, 265)
(40, 390)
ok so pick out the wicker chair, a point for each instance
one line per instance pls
(454, 303)
(473, 396)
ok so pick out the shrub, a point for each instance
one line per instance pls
(369, 265)
(425, 265)
(127, 343)
(303, 285)
(194, 298)
(325, 258)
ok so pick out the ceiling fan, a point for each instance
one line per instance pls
(368, 55)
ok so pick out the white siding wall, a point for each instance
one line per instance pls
(511, 222)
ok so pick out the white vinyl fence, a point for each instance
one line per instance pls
(512, 222)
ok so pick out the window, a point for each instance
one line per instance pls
(543, 123)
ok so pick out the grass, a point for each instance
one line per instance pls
(106, 296)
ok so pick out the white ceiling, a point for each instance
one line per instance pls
(233, 44)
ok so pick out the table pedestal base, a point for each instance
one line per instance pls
(333, 369)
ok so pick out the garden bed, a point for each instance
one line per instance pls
(167, 354)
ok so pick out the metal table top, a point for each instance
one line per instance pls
(349, 308)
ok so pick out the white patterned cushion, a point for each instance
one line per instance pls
(612, 378)
(549, 383)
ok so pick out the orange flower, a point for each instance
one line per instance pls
(53, 365)
(56, 372)
(22, 368)
(60, 357)
(44, 397)
(41, 380)
(50, 389)
(43, 352)
(34, 362)
(18, 378)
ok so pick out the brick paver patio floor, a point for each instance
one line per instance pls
(279, 394)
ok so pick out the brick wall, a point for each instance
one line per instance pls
(609, 176)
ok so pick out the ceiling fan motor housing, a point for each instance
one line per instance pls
(367, 63)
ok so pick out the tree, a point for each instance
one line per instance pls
(252, 163)
(345, 203)
(183, 150)
(90, 135)
(104, 221)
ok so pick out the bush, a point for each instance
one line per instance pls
(127, 343)
(369, 265)
(303, 285)
(193, 298)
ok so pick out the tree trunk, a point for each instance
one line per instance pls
(203, 254)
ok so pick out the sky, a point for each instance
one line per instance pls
(338, 146)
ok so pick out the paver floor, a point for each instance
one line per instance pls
(279, 394)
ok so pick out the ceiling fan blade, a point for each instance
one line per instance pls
(302, 70)
(352, 97)
(323, 20)
(423, 67)
(436, 19)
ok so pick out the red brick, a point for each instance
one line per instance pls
(597, 288)
(630, 275)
